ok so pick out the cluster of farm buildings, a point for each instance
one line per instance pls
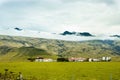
(72, 59)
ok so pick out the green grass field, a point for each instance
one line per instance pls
(65, 70)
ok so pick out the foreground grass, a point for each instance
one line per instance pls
(65, 70)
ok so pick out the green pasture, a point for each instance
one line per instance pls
(65, 70)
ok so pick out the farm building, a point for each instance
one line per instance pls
(72, 59)
(41, 59)
(96, 60)
(48, 60)
(99, 59)
(106, 58)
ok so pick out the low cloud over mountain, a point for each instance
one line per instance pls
(67, 35)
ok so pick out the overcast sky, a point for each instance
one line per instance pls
(99, 16)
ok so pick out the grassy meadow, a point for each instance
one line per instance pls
(65, 70)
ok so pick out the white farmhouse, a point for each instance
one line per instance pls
(39, 59)
(106, 58)
(90, 59)
(96, 60)
(48, 60)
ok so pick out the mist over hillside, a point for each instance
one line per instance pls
(66, 35)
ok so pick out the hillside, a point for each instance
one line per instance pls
(21, 48)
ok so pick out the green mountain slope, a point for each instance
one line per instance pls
(21, 54)
(21, 48)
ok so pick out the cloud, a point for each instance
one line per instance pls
(61, 15)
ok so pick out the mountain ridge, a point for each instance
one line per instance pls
(21, 48)
(86, 34)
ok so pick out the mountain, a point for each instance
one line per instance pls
(14, 48)
(68, 33)
(86, 34)
(116, 36)
(18, 29)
